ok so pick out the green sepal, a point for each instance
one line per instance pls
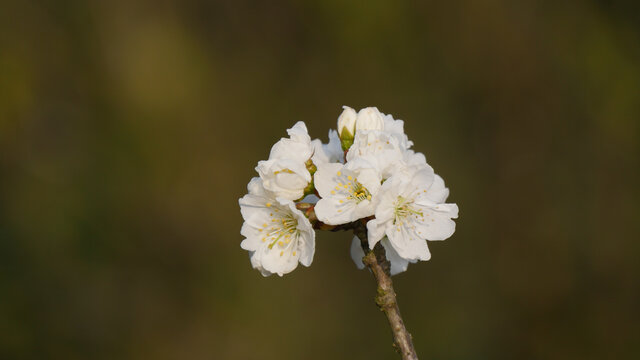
(346, 139)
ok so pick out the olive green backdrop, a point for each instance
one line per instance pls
(129, 129)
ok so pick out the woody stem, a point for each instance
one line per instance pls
(386, 300)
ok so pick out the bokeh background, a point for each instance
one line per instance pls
(129, 129)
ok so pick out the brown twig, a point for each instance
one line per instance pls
(376, 261)
(386, 297)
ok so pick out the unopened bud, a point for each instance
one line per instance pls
(347, 126)
(369, 119)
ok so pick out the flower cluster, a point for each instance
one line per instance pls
(366, 173)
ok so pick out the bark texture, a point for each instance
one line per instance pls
(386, 297)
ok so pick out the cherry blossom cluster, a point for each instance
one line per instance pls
(366, 173)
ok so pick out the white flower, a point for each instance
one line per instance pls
(297, 147)
(347, 121)
(286, 173)
(347, 191)
(378, 147)
(287, 178)
(411, 210)
(369, 119)
(398, 264)
(331, 152)
(278, 235)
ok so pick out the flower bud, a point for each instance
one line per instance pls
(369, 119)
(347, 121)
(347, 126)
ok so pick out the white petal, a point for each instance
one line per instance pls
(253, 209)
(327, 153)
(307, 250)
(370, 179)
(299, 132)
(252, 235)
(398, 263)
(411, 157)
(325, 178)
(369, 119)
(278, 261)
(407, 243)
(393, 126)
(255, 263)
(437, 221)
(319, 157)
(330, 211)
(357, 253)
(289, 149)
(375, 232)
(423, 177)
(255, 187)
(298, 147)
(363, 209)
(437, 192)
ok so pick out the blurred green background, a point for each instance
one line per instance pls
(129, 129)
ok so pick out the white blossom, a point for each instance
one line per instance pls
(410, 210)
(347, 191)
(277, 235)
(380, 180)
(286, 173)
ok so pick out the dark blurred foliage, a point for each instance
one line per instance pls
(129, 129)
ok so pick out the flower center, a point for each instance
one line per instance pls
(358, 192)
(281, 231)
(403, 208)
